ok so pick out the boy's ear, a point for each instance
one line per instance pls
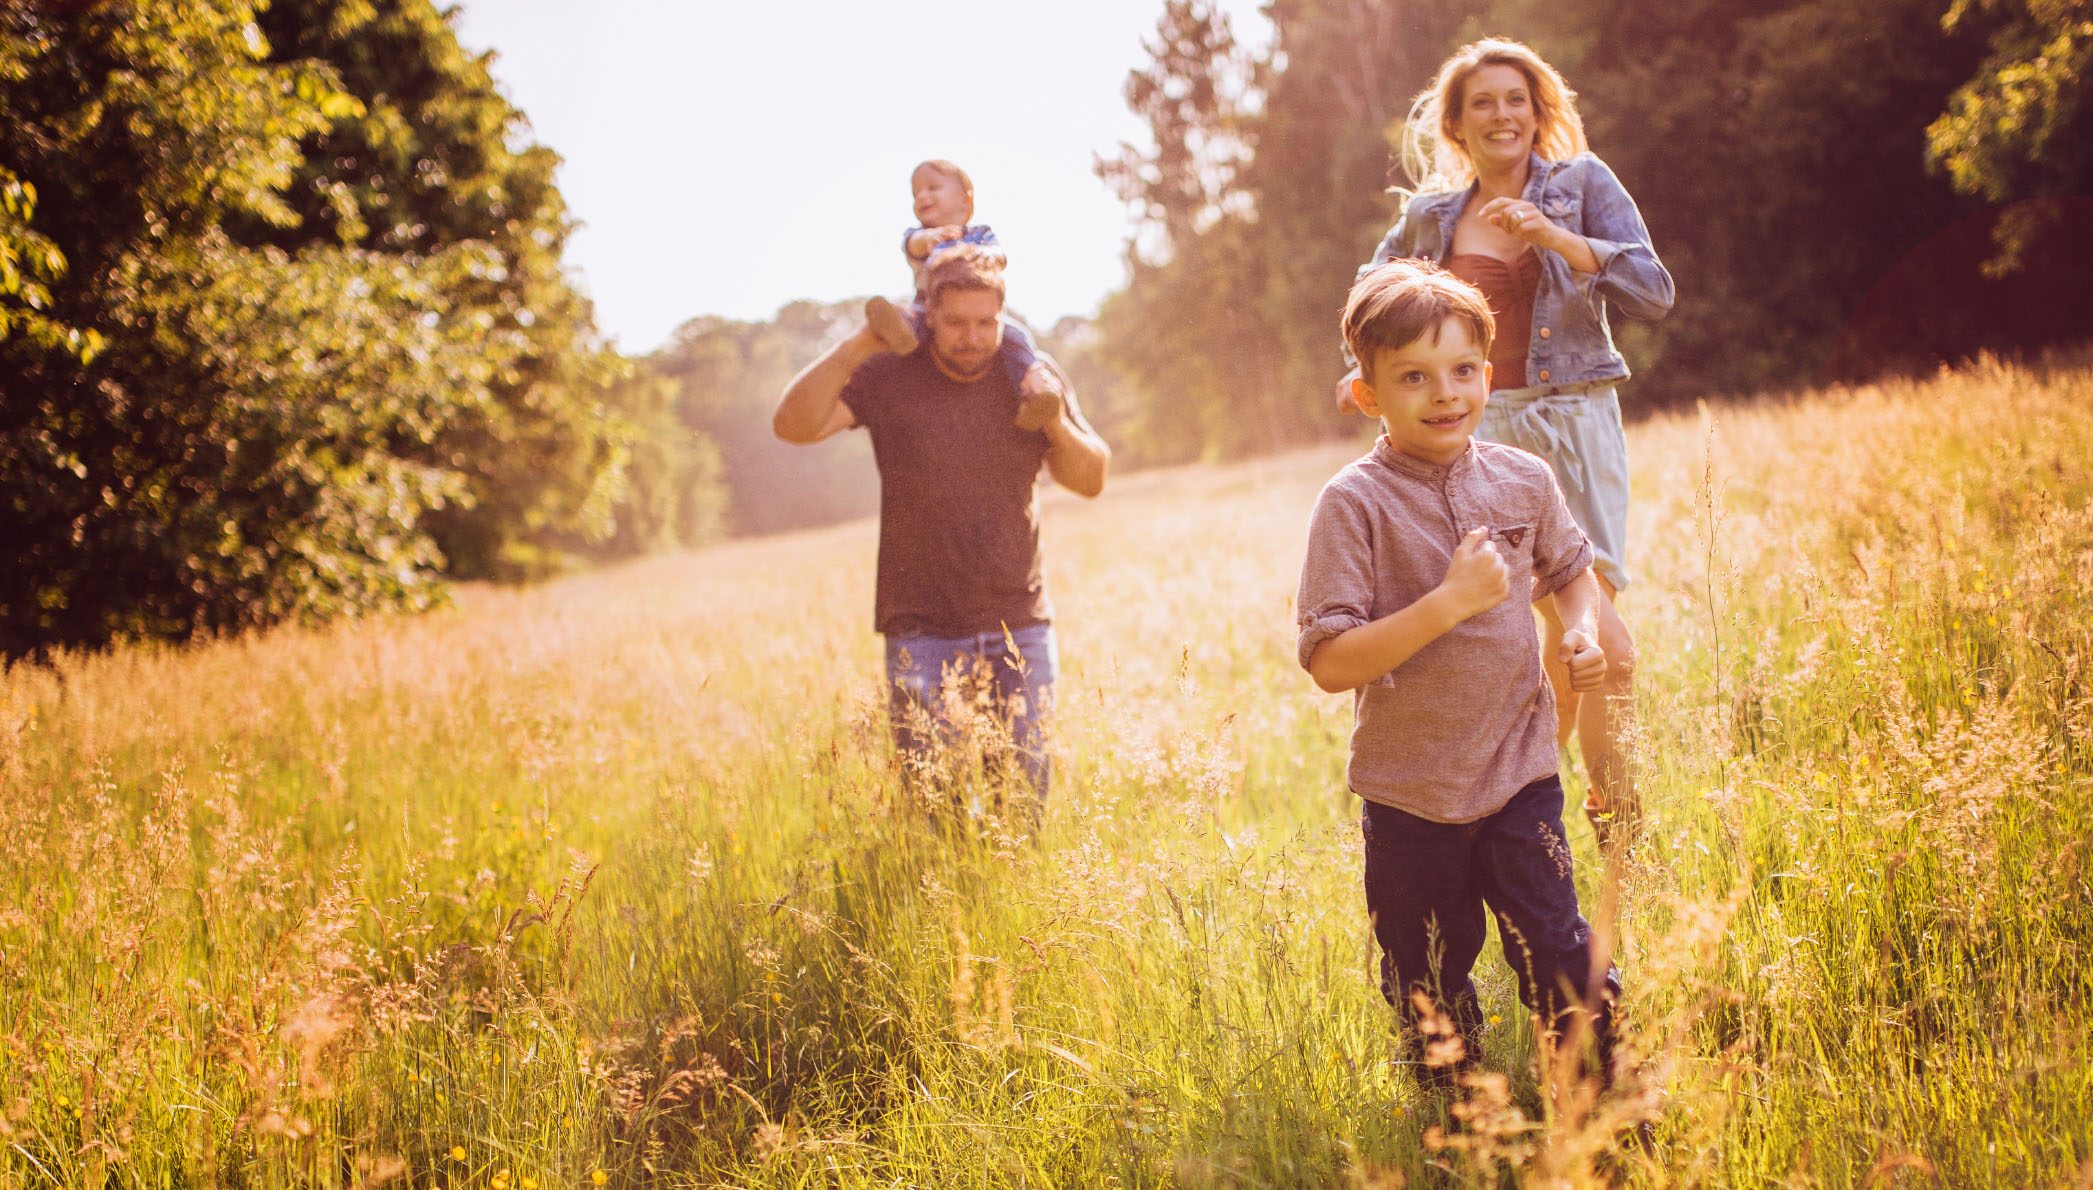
(1489, 382)
(1363, 397)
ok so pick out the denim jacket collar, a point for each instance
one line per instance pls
(1447, 205)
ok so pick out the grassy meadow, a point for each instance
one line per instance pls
(609, 882)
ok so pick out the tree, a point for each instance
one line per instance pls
(2022, 127)
(334, 338)
(435, 157)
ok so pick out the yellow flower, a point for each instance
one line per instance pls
(1495, 1017)
(597, 1177)
(529, 1182)
(457, 1152)
(63, 1102)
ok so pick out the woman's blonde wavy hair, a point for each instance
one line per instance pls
(1432, 153)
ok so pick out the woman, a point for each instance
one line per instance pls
(1512, 201)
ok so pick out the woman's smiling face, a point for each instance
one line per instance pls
(1496, 122)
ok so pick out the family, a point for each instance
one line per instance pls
(1479, 340)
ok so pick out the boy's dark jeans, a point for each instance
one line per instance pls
(1427, 884)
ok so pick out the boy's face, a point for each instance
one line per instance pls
(1429, 393)
(940, 200)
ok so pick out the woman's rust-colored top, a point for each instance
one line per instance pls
(1509, 288)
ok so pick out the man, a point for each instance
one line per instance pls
(960, 590)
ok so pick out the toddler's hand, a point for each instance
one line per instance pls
(1581, 655)
(1477, 579)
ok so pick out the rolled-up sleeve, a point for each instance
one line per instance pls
(1337, 577)
(1561, 551)
(1630, 275)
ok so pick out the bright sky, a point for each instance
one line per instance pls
(728, 156)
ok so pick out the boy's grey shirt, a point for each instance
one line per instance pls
(1465, 723)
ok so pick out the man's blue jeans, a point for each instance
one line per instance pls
(938, 686)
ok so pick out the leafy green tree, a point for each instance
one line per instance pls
(318, 371)
(435, 156)
(2022, 126)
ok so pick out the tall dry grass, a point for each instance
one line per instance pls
(610, 882)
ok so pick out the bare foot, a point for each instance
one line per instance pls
(889, 325)
(1040, 399)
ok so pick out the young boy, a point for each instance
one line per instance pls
(944, 205)
(1423, 560)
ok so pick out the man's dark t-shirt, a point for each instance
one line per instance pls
(958, 511)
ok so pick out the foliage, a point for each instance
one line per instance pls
(1787, 159)
(2022, 125)
(298, 341)
(614, 873)
(433, 157)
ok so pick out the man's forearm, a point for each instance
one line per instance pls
(810, 399)
(1076, 457)
(1356, 657)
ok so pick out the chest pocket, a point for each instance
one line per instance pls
(1515, 545)
(1563, 209)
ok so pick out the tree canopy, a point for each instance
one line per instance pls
(283, 324)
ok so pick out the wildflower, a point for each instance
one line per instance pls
(529, 1182)
(597, 1177)
(1496, 1017)
(457, 1152)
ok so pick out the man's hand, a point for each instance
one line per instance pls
(1581, 655)
(1040, 399)
(1477, 579)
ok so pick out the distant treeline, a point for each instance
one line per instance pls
(284, 331)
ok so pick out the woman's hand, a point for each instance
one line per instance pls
(1519, 218)
(1523, 221)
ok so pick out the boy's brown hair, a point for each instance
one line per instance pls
(962, 266)
(1402, 301)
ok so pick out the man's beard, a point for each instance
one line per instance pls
(959, 369)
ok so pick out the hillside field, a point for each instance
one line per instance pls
(610, 881)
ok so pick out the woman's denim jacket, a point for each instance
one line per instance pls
(1570, 346)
